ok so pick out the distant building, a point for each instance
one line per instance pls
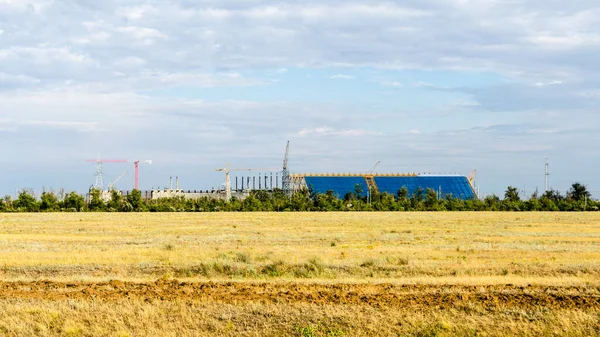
(445, 185)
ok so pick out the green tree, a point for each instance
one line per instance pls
(512, 194)
(403, 193)
(135, 200)
(358, 190)
(6, 204)
(416, 200)
(327, 202)
(116, 201)
(26, 202)
(431, 200)
(73, 202)
(553, 195)
(280, 200)
(251, 204)
(492, 202)
(301, 201)
(96, 203)
(265, 199)
(579, 192)
(387, 202)
(49, 202)
(453, 204)
(532, 205)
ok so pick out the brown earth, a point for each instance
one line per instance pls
(375, 295)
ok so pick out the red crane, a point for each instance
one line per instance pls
(137, 166)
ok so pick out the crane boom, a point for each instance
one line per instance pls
(111, 185)
(107, 161)
(374, 167)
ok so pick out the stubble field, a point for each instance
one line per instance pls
(302, 274)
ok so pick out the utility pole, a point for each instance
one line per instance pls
(285, 179)
(547, 177)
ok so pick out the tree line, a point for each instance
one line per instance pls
(578, 198)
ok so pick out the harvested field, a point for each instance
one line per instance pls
(334, 274)
(419, 297)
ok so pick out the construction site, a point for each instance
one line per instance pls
(242, 184)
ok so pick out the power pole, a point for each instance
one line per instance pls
(547, 177)
(99, 176)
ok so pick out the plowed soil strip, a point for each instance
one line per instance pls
(378, 295)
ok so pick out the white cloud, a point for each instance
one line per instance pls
(17, 79)
(543, 84)
(281, 71)
(136, 12)
(392, 84)
(142, 35)
(74, 125)
(342, 77)
(327, 131)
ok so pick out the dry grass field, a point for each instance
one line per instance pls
(300, 274)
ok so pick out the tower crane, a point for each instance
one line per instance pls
(370, 179)
(286, 180)
(472, 178)
(111, 185)
(137, 168)
(228, 180)
(472, 182)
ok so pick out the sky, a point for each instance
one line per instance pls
(420, 85)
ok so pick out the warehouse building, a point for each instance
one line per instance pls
(456, 186)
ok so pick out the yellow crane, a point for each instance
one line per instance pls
(228, 181)
(111, 185)
(370, 179)
(472, 178)
(374, 167)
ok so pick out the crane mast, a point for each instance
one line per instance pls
(137, 171)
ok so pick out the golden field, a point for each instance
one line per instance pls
(304, 274)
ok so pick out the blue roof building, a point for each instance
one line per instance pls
(340, 184)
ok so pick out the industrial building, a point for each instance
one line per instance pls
(341, 184)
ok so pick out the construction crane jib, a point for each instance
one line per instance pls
(374, 167)
(111, 186)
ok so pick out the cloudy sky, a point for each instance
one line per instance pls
(421, 85)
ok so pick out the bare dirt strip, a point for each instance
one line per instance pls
(376, 295)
